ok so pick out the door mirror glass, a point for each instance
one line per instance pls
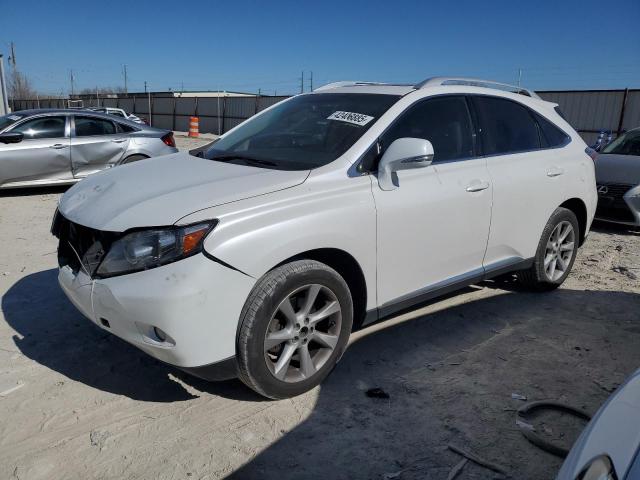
(11, 137)
(403, 154)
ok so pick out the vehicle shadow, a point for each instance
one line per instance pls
(449, 373)
(52, 332)
(614, 228)
(28, 191)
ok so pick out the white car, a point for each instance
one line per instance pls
(609, 446)
(118, 112)
(325, 212)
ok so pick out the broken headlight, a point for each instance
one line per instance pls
(150, 248)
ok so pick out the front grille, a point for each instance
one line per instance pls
(611, 204)
(80, 247)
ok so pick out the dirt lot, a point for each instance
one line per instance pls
(77, 403)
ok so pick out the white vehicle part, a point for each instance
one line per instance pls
(195, 301)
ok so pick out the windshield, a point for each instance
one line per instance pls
(303, 133)
(626, 144)
(10, 119)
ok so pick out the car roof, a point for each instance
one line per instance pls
(80, 111)
(456, 84)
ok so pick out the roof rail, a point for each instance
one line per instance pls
(475, 82)
(329, 86)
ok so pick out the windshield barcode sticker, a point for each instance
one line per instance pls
(350, 117)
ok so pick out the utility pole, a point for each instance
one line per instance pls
(71, 78)
(311, 81)
(97, 97)
(12, 58)
(302, 83)
(124, 71)
(519, 76)
(149, 103)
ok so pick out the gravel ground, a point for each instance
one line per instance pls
(77, 403)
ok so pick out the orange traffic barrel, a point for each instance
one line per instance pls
(194, 127)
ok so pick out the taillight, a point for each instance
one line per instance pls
(591, 152)
(169, 140)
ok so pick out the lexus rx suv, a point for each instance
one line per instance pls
(323, 213)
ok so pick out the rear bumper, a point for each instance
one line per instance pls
(195, 302)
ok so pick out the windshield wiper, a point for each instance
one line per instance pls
(249, 160)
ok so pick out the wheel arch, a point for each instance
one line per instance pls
(579, 209)
(348, 267)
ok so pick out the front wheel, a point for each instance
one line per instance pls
(294, 328)
(556, 252)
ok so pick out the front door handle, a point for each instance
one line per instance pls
(555, 172)
(477, 186)
(119, 140)
(58, 146)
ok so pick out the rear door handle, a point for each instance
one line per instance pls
(119, 140)
(555, 172)
(477, 186)
(58, 146)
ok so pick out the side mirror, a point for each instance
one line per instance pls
(403, 154)
(11, 137)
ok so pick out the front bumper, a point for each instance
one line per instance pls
(625, 210)
(195, 302)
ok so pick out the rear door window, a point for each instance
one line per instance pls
(550, 135)
(505, 126)
(91, 126)
(42, 127)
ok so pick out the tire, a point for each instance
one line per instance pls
(266, 321)
(543, 276)
(133, 158)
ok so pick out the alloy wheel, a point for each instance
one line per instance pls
(559, 251)
(303, 332)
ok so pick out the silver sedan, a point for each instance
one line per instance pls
(56, 147)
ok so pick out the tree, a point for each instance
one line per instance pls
(20, 87)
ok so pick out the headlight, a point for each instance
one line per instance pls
(599, 469)
(145, 249)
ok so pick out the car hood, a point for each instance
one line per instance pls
(160, 191)
(613, 168)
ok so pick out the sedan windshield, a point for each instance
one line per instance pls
(303, 133)
(626, 144)
(7, 120)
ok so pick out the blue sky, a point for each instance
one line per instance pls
(245, 45)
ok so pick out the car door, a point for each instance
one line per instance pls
(528, 179)
(41, 156)
(96, 144)
(432, 231)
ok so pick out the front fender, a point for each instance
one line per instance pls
(255, 235)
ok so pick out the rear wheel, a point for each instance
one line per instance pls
(295, 327)
(556, 252)
(133, 158)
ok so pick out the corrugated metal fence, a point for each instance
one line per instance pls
(216, 114)
(593, 111)
(589, 111)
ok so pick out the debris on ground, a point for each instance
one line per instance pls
(455, 471)
(517, 396)
(11, 390)
(97, 438)
(625, 271)
(478, 460)
(377, 393)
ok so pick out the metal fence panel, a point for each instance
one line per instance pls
(632, 110)
(589, 112)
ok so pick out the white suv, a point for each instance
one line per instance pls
(325, 212)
